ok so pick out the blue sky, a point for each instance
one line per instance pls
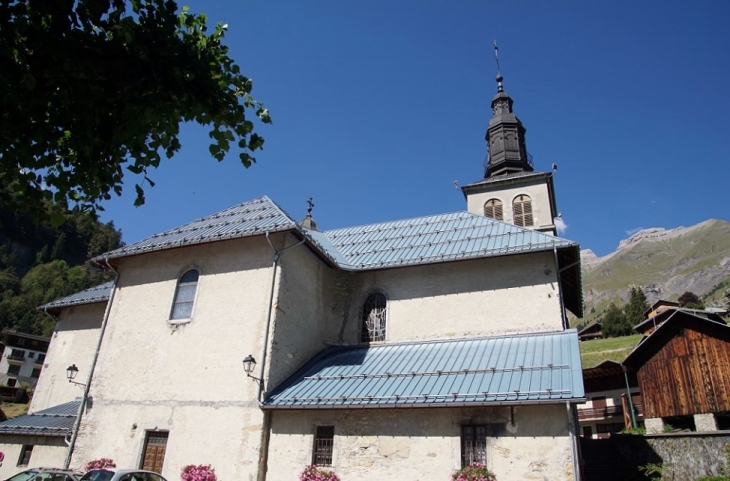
(379, 106)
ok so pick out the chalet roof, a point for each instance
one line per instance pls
(13, 332)
(676, 320)
(54, 421)
(91, 295)
(662, 316)
(660, 303)
(517, 369)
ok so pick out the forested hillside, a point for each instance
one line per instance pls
(40, 262)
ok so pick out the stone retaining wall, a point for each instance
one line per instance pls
(685, 456)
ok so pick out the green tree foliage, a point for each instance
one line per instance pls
(91, 89)
(690, 300)
(637, 305)
(615, 323)
(40, 262)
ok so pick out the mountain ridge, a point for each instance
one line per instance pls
(663, 262)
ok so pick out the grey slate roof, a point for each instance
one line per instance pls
(422, 240)
(249, 218)
(91, 295)
(436, 238)
(517, 369)
(54, 421)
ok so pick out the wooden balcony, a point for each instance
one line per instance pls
(607, 412)
(16, 359)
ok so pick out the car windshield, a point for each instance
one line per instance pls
(98, 475)
(23, 476)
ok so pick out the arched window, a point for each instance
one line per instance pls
(373, 318)
(522, 211)
(182, 307)
(493, 209)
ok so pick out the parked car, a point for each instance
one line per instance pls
(114, 474)
(46, 474)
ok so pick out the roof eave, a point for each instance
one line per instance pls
(459, 404)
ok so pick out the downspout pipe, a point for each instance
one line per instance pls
(573, 441)
(87, 387)
(628, 393)
(560, 289)
(266, 423)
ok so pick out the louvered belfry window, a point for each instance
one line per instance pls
(323, 443)
(493, 209)
(374, 318)
(522, 210)
(473, 444)
(182, 308)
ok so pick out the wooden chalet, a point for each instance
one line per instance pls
(682, 368)
(591, 331)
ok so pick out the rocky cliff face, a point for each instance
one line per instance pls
(665, 263)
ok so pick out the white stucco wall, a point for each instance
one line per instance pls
(187, 379)
(510, 294)
(308, 314)
(423, 444)
(537, 190)
(73, 342)
(47, 452)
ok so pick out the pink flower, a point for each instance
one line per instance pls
(201, 472)
(313, 473)
(99, 464)
(474, 472)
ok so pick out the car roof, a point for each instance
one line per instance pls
(127, 470)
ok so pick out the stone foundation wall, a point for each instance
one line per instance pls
(685, 456)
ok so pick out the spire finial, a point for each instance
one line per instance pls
(310, 206)
(499, 73)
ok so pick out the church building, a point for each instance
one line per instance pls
(398, 350)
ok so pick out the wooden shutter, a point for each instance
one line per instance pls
(493, 209)
(522, 210)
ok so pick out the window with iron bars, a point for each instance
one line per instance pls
(473, 444)
(374, 314)
(323, 441)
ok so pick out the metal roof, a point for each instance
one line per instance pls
(518, 369)
(54, 421)
(91, 295)
(249, 218)
(436, 238)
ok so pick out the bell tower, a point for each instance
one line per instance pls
(511, 190)
(506, 150)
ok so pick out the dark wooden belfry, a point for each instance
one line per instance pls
(506, 150)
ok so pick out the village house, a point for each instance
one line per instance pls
(681, 365)
(395, 350)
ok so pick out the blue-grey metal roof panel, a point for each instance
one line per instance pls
(517, 369)
(91, 295)
(54, 421)
(436, 238)
(249, 218)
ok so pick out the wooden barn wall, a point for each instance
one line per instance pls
(687, 374)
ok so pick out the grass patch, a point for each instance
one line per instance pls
(614, 348)
(13, 410)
